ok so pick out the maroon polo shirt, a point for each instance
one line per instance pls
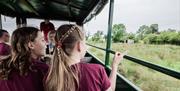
(5, 49)
(92, 77)
(31, 82)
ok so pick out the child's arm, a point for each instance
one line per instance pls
(117, 59)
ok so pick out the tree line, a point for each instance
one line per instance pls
(146, 34)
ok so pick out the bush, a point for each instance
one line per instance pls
(167, 37)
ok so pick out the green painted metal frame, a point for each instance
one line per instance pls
(108, 44)
(156, 67)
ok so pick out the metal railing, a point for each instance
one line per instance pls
(156, 67)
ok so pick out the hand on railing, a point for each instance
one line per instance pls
(118, 57)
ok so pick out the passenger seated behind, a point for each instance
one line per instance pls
(67, 73)
(51, 42)
(46, 26)
(5, 49)
(24, 71)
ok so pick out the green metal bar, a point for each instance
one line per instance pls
(108, 45)
(96, 47)
(156, 67)
(0, 22)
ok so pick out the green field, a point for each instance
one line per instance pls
(143, 77)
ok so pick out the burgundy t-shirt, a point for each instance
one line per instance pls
(5, 49)
(92, 77)
(31, 82)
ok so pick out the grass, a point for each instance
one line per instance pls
(147, 79)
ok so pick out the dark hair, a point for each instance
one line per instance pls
(2, 32)
(20, 59)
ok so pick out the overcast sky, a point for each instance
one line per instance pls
(132, 13)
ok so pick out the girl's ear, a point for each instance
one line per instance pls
(31, 45)
(79, 46)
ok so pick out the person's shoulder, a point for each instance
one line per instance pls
(5, 49)
(50, 23)
(96, 71)
(91, 66)
(1, 44)
(41, 66)
(7, 45)
(42, 23)
(4, 44)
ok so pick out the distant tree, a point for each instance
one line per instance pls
(164, 37)
(171, 30)
(118, 32)
(143, 31)
(153, 36)
(97, 36)
(154, 28)
(131, 36)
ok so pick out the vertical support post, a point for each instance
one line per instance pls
(18, 22)
(0, 22)
(21, 22)
(110, 20)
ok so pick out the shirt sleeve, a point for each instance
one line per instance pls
(105, 80)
